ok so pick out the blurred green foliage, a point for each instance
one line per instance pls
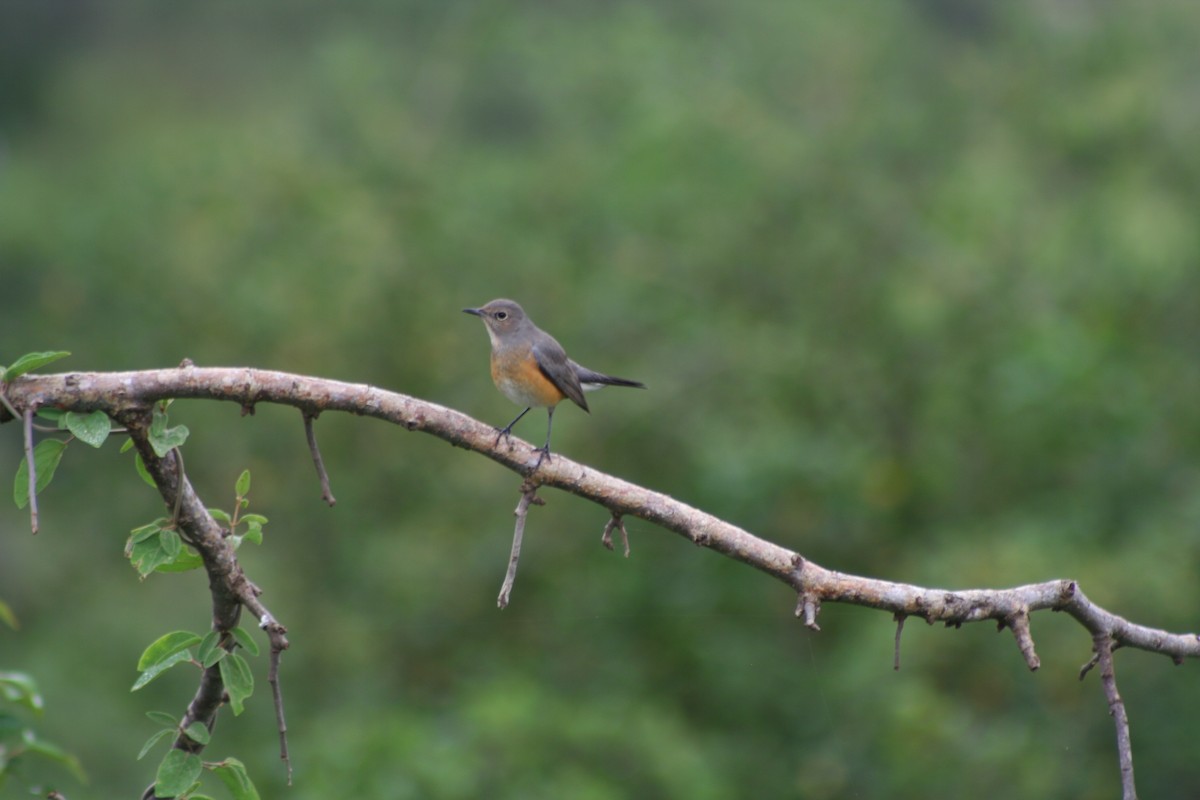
(913, 285)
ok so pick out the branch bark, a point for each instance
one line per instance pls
(127, 395)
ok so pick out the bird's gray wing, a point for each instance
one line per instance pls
(553, 362)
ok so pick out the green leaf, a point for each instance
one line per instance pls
(255, 519)
(163, 718)
(147, 555)
(159, 668)
(32, 361)
(177, 772)
(208, 653)
(144, 532)
(140, 466)
(245, 640)
(165, 646)
(187, 559)
(92, 429)
(233, 774)
(253, 533)
(162, 438)
(238, 680)
(7, 616)
(198, 732)
(242, 487)
(153, 740)
(17, 687)
(46, 456)
(171, 543)
(219, 515)
(54, 415)
(128, 444)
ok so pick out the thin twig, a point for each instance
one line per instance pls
(899, 630)
(528, 497)
(807, 606)
(248, 595)
(326, 492)
(606, 538)
(277, 694)
(1019, 624)
(1092, 662)
(33, 508)
(1116, 708)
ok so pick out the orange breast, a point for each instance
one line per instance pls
(519, 378)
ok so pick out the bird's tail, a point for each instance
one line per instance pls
(594, 380)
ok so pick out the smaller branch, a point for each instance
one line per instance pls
(1019, 624)
(807, 606)
(606, 538)
(899, 630)
(33, 508)
(528, 497)
(248, 595)
(1092, 662)
(326, 493)
(277, 694)
(1103, 644)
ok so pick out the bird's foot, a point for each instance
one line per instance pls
(544, 455)
(502, 433)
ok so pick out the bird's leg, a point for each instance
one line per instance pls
(506, 431)
(545, 449)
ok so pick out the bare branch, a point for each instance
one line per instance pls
(615, 521)
(249, 594)
(1019, 624)
(528, 497)
(117, 392)
(807, 606)
(1103, 645)
(124, 395)
(326, 492)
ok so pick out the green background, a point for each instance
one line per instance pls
(914, 287)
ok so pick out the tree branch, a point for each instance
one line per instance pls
(528, 497)
(1103, 646)
(322, 475)
(126, 395)
(230, 589)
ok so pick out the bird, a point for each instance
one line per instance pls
(531, 368)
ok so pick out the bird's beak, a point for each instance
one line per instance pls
(476, 311)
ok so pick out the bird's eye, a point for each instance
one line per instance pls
(501, 315)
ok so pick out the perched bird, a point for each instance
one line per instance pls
(531, 368)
